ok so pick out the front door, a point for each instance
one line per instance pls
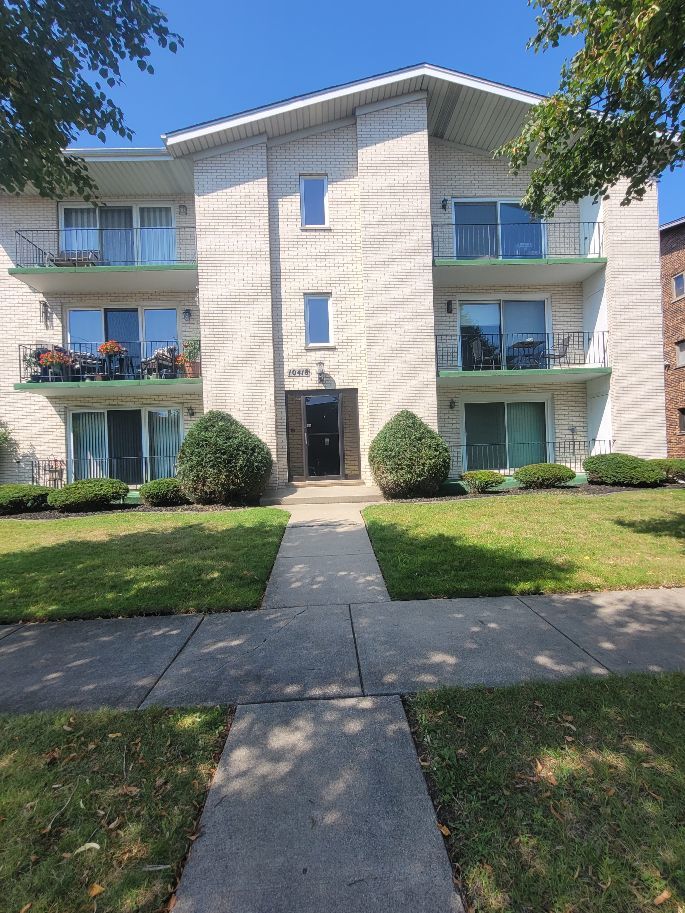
(322, 435)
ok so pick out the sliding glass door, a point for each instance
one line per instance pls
(504, 435)
(119, 235)
(502, 334)
(496, 229)
(133, 445)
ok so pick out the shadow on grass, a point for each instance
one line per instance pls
(438, 565)
(561, 797)
(672, 526)
(185, 568)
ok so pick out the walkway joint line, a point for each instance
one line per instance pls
(171, 662)
(356, 652)
(564, 634)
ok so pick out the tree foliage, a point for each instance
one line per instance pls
(58, 59)
(620, 107)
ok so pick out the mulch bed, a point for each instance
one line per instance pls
(582, 490)
(125, 508)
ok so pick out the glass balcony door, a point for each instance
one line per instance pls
(123, 325)
(502, 334)
(495, 229)
(504, 435)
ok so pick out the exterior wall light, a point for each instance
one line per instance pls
(320, 372)
(190, 412)
(445, 203)
(453, 404)
(182, 209)
(187, 315)
(449, 307)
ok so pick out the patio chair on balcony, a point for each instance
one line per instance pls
(559, 354)
(483, 357)
(73, 258)
(162, 363)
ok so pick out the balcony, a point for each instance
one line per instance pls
(516, 254)
(478, 358)
(506, 457)
(92, 260)
(135, 470)
(95, 369)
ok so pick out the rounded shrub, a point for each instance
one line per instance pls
(222, 462)
(543, 475)
(163, 493)
(673, 469)
(622, 469)
(87, 494)
(408, 459)
(19, 499)
(481, 480)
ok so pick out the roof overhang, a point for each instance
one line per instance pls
(465, 109)
(132, 172)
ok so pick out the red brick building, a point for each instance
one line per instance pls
(673, 297)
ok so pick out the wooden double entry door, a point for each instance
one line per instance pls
(322, 428)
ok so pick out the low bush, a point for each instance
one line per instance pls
(673, 469)
(480, 480)
(88, 494)
(19, 499)
(222, 462)
(543, 475)
(622, 469)
(408, 459)
(163, 493)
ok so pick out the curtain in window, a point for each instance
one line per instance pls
(80, 231)
(116, 233)
(526, 432)
(90, 445)
(157, 236)
(164, 435)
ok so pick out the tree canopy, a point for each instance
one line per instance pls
(58, 59)
(619, 111)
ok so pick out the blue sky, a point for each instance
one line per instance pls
(241, 55)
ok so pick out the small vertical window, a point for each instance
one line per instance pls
(681, 421)
(679, 285)
(314, 200)
(317, 318)
(680, 354)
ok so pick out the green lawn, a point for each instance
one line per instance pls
(565, 798)
(136, 563)
(533, 543)
(97, 809)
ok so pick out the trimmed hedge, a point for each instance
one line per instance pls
(408, 459)
(222, 462)
(480, 480)
(20, 499)
(163, 493)
(622, 469)
(87, 494)
(543, 475)
(673, 469)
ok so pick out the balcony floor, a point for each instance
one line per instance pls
(514, 273)
(56, 280)
(98, 389)
(522, 376)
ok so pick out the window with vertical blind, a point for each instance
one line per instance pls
(505, 435)
(164, 441)
(120, 235)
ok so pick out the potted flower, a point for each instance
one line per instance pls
(181, 363)
(191, 354)
(32, 366)
(55, 361)
(110, 350)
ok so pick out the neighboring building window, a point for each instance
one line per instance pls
(680, 354)
(681, 421)
(679, 285)
(314, 200)
(317, 318)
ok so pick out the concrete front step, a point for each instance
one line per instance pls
(323, 493)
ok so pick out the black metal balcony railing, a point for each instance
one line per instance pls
(52, 247)
(506, 458)
(517, 241)
(164, 359)
(476, 351)
(54, 473)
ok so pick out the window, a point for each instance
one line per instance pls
(504, 435)
(496, 228)
(314, 201)
(317, 318)
(680, 354)
(502, 333)
(681, 421)
(679, 285)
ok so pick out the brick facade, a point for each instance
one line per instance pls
(673, 263)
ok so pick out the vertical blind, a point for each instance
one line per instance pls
(164, 437)
(116, 231)
(90, 444)
(157, 237)
(80, 230)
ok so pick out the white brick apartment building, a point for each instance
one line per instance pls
(341, 256)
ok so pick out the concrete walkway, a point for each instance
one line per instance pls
(319, 802)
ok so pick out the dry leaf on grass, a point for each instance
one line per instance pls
(662, 898)
(95, 890)
(444, 830)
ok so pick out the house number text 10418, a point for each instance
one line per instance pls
(299, 372)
